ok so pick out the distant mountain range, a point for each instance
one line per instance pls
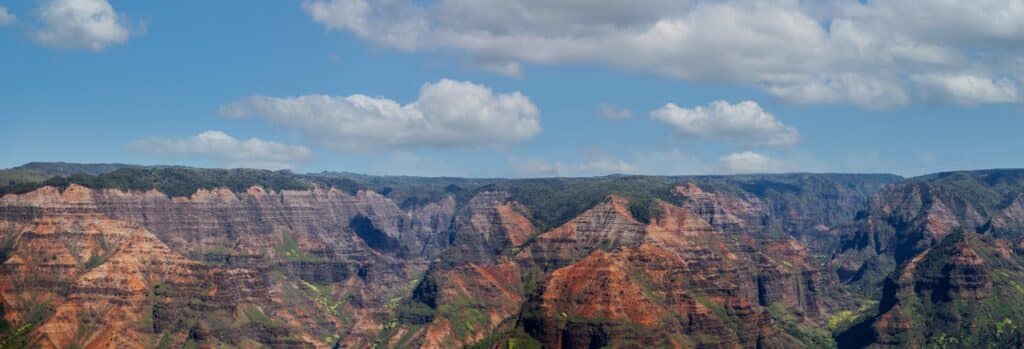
(124, 256)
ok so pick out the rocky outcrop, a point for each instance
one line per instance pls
(728, 212)
(606, 226)
(580, 304)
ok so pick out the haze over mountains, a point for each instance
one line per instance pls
(116, 256)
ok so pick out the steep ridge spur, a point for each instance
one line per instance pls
(675, 282)
(943, 254)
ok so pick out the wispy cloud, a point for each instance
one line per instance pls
(6, 18)
(539, 167)
(750, 162)
(612, 112)
(227, 151)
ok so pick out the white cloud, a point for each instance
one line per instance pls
(750, 162)
(88, 24)
(538, 167)
(612, 112)
(507, 68)
(227, 151)
(447, 114)
(968, 89)
(670, 162)
(742, 123)
(667, 162)
(6, 18)
(844, 51)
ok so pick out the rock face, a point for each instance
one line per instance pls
(608, 225)
(907, 218)
(942, 252)
(288, 269)
(963, 292)
(472, 288)
(739, 264)
(676, 282)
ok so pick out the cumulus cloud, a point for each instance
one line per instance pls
(742, 123)
(539, 167)
(6, 17)
(227, 150)
(612, 112)
(750, 162)
(846, 51)
(447, 114)
(87, 24)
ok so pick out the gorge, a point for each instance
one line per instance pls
(122, 256)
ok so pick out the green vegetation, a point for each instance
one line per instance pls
(69, 168)
(465, 319)
(324, 299)
(183, 181)
(289, 248)
(413, 312)
(16, 337)
(516, 338)
(409, 191)
(256, 316)
(843, 319)
(165, 341)
(100, 258)
(944, 317)
(30, 176)
(807, 335)
(645, 208)
(94, 261)
(554, 201)
(17, 181)
(526, 342)
(11, 338)
(529, 279)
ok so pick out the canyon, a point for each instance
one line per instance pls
(161, 257)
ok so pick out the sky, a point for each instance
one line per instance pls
(516, 88)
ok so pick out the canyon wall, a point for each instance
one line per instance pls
(711, 267)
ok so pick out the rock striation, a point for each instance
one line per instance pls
(284, 268)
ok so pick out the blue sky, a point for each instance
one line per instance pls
(146, 82)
